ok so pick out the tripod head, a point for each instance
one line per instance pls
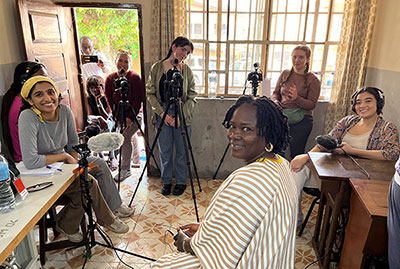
(255, 77)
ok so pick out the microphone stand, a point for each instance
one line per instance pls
(186, 142)
(121, 118)
(90, 240)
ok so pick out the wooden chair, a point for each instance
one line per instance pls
(49, 221)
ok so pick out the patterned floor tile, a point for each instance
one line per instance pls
(154, 215)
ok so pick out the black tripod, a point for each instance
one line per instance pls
(122, 85)
(254, 84)
(90, 240)
(177, 101)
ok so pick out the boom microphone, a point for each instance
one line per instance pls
(105, 142)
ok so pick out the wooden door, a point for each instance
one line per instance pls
(49, 38)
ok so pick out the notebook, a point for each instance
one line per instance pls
(47, 170)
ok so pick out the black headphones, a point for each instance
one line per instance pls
(380, 98)
(30, 70)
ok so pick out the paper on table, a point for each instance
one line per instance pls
(43, 171)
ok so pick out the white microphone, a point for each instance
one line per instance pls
(105, 142)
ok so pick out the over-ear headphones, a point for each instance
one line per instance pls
(30, 70)
(379, 96)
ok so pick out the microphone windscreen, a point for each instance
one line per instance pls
(122, 71)
(175, 61)
(327, 142)
(105, 142)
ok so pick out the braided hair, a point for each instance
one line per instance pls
(307, 51)
(271, 122)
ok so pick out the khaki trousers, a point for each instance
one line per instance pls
(71, 215)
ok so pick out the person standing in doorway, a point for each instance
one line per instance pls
(136, 98)
(90, 66)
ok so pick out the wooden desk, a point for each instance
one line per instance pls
(366, 231)
(334, 172)
(15, 225)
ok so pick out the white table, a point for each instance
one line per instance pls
(15, 225)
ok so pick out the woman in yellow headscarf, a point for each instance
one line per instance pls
(46, 127)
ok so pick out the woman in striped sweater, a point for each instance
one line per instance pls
(251, 220)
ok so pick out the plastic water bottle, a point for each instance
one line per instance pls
(7, 199)
(142, 158)
(212, 84)
(329, 81)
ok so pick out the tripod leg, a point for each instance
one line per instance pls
(191, 151)
(151, 152)
(146, 142)
(121, 119)
(185, 143)
(220, 162)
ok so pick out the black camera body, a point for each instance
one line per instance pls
(121, 83)
(256, 75)
(173, 83)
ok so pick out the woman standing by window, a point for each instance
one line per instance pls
(157, 95)
(297, 92)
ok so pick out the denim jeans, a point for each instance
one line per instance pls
(168, 138)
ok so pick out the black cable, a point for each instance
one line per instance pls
(311, 263)
(356, 163)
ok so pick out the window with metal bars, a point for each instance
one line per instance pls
(231, 35)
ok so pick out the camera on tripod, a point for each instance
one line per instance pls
(256, 75)
(121, 83)
(174, 82)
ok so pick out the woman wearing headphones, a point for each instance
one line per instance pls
(11, 105)
(365, 134)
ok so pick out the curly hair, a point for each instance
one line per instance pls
(271, 122)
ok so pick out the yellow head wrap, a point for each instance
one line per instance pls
(28, 86)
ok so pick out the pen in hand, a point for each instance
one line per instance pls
(49, 167)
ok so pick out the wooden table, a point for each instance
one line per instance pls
(15, 225)
(366, 232)
(334, 172)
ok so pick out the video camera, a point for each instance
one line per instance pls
(256, 75)
(121, 83)
(174, 82)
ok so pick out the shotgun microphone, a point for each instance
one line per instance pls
(105, 142)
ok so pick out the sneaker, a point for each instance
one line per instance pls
(166, 189)
(179, 189)
(118, 227)
(124, 175)
(124, 211)
(74, 238)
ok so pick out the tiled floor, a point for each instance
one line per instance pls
(154, 215)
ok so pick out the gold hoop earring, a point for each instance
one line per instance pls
(270, 147)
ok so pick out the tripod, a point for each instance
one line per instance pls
(121, 118)
(186, 141)
(90, 240)
(254, 84)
